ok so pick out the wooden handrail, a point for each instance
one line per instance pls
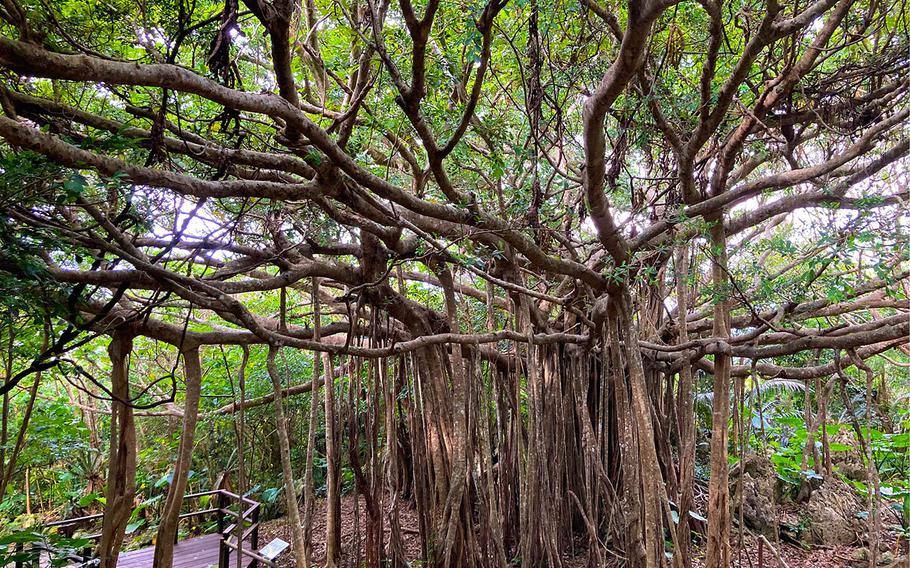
(225, 492)
(231, 496)
(245, 515)
(254, 555)
(66, 522)
(251, 532)
(202, 512)
(250, 514)
(228, 533)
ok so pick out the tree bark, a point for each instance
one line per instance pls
(121, 478)
(298, 542)
(652, 484)
(452, 528)
(718, 545)
(309, 496)
(685, 412)
(241, 452)
(332, 477)
(170, 516)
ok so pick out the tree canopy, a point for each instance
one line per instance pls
(525, 234)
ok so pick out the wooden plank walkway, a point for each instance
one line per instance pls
(203, 551)
(199, 552)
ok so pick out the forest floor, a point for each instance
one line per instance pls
(350, 536)
(746, 556)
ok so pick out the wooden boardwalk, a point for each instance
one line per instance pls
(199, 552)
(203, 551)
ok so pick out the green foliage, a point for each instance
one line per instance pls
(815, 261)
(27, 545)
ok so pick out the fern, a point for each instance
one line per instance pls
(706, 399)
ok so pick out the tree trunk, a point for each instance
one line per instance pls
(332, 477)
(685, 412)
(170, 516)
(4, 427)
(298, 542)
(309, 497)
(241, 452)
(652, 484)
(875, 495)
(718, 545)
(121, 478)
(452, 528)
(632, 534)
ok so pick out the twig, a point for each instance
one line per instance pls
(766, 542)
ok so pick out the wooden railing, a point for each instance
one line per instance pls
(246, 516)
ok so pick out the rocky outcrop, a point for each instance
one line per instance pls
(754, 485)
(835, 513)
(848, 463)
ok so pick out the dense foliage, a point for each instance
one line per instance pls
(567, 268)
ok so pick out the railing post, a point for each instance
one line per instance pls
(254, 538)
(224, 551)
(219, 515)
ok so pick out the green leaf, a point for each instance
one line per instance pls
(87, 500)
(75, 185)
(270, 494)
(21, 537)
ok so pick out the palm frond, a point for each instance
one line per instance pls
(781, 385)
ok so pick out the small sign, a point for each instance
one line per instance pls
(273, 549)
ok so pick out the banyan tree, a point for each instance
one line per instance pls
(524, 234)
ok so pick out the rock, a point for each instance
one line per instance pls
(860, 555)
(754, 484)
(848, 463)
(832, 512)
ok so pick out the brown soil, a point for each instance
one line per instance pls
(351, 553)
(818, 557)
(795, 556)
